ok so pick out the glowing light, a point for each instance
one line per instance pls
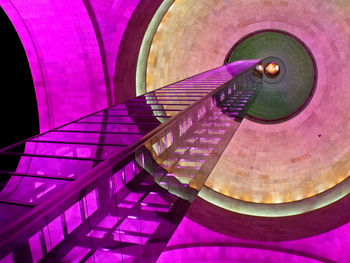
(272, 69)
(260, 68)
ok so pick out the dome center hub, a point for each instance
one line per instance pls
(272, 69)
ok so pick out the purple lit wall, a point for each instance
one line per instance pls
(195, 243)
(72, 51)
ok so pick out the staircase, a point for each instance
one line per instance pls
(114, 185)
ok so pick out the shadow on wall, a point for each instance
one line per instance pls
(270, 228)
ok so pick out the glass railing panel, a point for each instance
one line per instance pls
(68, 137)
(139, 112)
(115, 120)
(76, 151)
(101, 127)
(9, 212)
(79, 138)
(30, 190)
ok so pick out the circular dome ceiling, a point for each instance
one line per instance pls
(285, 93)
(269, 165)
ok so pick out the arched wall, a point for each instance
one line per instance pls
(83, 55)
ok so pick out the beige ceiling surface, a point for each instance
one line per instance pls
(268, 163)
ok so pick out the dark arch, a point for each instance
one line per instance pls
(18, 105)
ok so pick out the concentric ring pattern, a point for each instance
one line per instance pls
(268, 164)
(284, 96)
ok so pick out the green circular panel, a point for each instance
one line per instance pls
(283, 97)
